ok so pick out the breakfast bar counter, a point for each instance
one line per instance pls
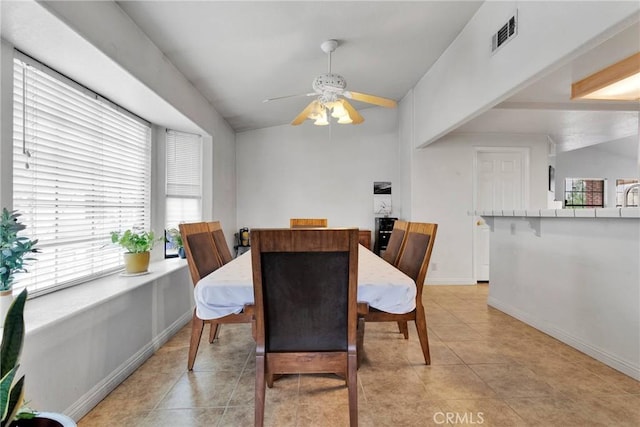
(573, 274)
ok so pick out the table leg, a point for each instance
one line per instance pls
(360, 340)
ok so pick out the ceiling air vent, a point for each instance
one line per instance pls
(508, 31)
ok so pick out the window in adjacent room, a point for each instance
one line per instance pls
(81, 169)
(584, 193)
(184, 182)
(621, 187)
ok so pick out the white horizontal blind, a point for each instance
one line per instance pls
(184, 178)
(81, 169)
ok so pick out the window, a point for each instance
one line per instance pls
(584, 193)
(81, 169)
(621, 187)
(184, 181)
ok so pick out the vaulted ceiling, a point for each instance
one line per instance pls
(238, 53)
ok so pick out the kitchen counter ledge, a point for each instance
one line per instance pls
(563, 213)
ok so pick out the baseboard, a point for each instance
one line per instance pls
(90, 399)
(450, 281)
(597, 353)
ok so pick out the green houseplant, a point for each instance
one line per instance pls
(137, 245)
(12, 394)
(175, 238)
(14, 251)
(13, 413)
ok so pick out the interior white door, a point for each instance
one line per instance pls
(501, 180)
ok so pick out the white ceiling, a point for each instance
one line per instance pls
(239, 53)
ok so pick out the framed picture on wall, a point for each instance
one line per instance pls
(382, 198)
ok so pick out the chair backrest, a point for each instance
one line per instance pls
(221, 243)
(305, 287)
(201, 251)
(416, 252)
(397, 239)
(307, 222)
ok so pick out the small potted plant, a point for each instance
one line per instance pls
(13, 412)
(13, 255)
(175, 238)
(138, 245)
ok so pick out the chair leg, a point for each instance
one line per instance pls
(213, 332)
(197, 325)
(352, 383)
(404, 329)
(260, 391)
(271, 378)
(421, 327)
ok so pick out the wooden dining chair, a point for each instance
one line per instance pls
(305, 288)
(397, 239)
(202, 259)
(307, 222)
(392, 255)
(414, 262)
(221, 243)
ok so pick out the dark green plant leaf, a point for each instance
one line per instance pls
(15, 400)
(12, 334)
(5, 393)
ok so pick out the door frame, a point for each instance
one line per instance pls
(525, 156)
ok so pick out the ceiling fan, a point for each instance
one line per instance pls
(331, 97)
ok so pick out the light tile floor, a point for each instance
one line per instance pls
(487, 369)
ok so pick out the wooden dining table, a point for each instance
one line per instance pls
(228, 289)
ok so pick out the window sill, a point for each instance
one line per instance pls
(53, 308)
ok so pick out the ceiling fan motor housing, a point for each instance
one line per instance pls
(329, 86)
(329, 81)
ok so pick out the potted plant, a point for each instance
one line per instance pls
(175, 238)
(13, 412)
(13, 255)
(138, 245)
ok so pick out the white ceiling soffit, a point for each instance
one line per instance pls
(545, 107)
(38, 33)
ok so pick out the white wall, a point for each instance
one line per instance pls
(611, 160)
(108, 53)
(467, 80)
(573, 278)
(79, 344)
(313, 171)
(442, 192)
(405, 152)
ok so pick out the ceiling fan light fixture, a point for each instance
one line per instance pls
(322, 119)
(317, 111)
(618, 82)
(338, 110)
(320, 110)
(345, 120)
(329, 88)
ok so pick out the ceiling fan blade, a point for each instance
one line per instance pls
(371, 99)
(304, 114)
(289, 96)
(353, 113)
